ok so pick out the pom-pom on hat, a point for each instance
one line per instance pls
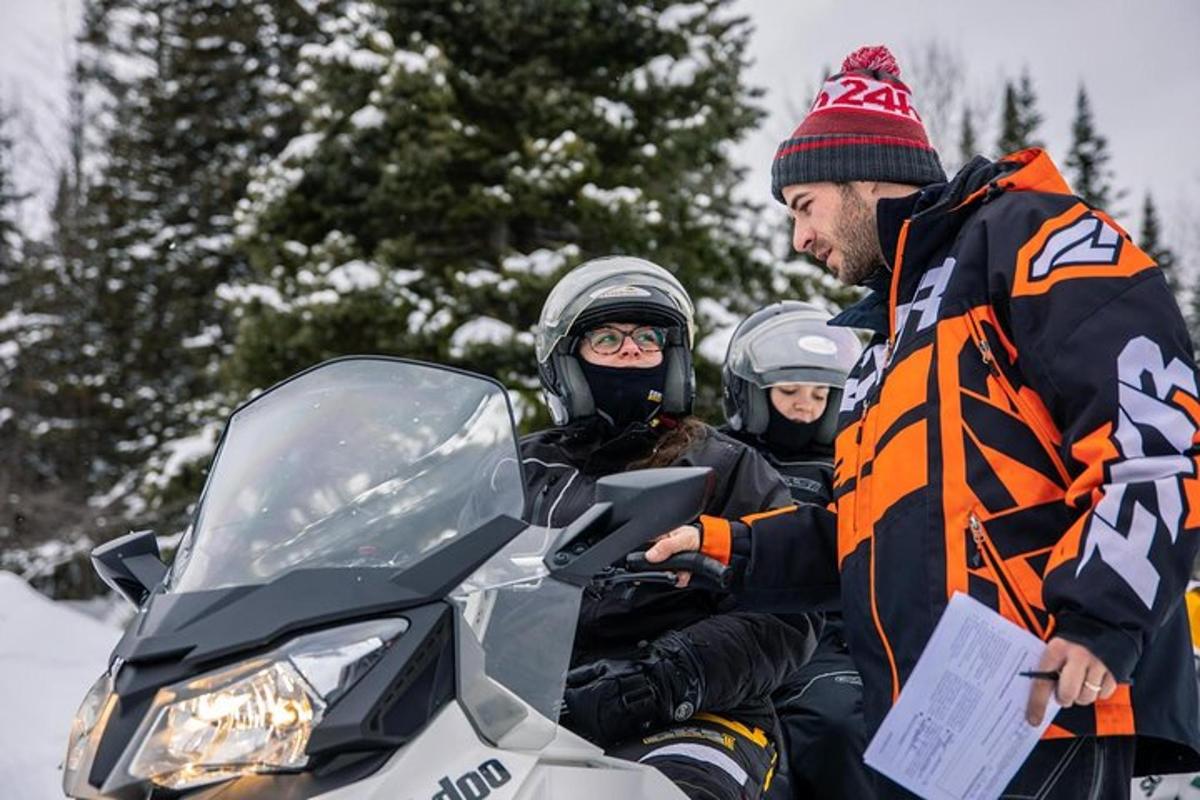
(862, 126)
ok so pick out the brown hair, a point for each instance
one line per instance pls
(674, 443)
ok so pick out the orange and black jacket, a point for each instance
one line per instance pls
(1023, 429)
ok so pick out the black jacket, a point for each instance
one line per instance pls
(808, 475)
(745, 656)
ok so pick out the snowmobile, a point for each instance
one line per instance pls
(358, 611)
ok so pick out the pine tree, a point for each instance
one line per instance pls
(35, 501)
(1087, 161)
(968, 147)
(1152, 244)
(1193, 315)
(457, 160)
(10, 199)
(1019, 118)
(186, 100)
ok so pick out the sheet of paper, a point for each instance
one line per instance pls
(958, 729)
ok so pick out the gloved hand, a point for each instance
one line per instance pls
(611, 700)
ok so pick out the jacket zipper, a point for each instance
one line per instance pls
(1027, 416)
(862, 498)
(983, 545)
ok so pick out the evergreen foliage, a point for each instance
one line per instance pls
(1151, 241)
(37, 495)
(456, 160)
(968, 146)
(182, 101)
(1019, 117)
(1087, 161)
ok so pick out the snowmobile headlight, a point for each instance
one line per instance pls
(256, 716)
(227, 724)
(95, 708)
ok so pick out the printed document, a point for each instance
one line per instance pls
(958, 729)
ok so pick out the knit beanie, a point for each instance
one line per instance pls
(862, 126)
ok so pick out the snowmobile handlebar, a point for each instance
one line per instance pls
(706, 572)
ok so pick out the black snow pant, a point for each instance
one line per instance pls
(824, 735)
(709, 757)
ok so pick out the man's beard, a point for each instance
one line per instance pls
(856, 233)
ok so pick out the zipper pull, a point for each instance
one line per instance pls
(976, 528)
(985, 352)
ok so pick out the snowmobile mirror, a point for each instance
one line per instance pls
(130, 565)
(631, 509)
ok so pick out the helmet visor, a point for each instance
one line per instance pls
(619, 281)
(792, 348)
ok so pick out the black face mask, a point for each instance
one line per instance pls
(787, 438)
(624, 395)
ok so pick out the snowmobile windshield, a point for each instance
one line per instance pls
(794, 349)
(362, 462)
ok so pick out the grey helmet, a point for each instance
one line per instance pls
(786, 342)
(608, 289)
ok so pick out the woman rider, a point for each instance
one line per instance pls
(782, 384)
(660, 676)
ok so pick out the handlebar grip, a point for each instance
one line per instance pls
(708, 570)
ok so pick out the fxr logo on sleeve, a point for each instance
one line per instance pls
(1080, 243)
(1128, 554)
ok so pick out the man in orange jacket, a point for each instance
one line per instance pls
(1023, 428)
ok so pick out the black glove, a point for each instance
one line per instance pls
(611, 700)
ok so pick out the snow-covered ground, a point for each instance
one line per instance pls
(49, 655)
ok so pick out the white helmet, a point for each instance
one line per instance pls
(786, 342)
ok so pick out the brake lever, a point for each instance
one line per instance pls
(622, 576)
(706, 572)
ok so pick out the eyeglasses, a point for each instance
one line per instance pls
(606, 340)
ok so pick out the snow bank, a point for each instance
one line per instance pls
(49, 656)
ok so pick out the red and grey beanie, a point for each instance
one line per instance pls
(862, 126)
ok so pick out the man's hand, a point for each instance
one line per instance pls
(684, 539)
(1082, 679)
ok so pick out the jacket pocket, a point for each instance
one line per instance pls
(1031, 418)
(987, 555)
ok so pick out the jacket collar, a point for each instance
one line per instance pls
(934, 214)
(871, 312)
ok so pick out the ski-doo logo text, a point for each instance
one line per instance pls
(1153, 435)
(475, 784)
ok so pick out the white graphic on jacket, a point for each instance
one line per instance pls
(1141, 415)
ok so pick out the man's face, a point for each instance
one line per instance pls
(835, 225)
